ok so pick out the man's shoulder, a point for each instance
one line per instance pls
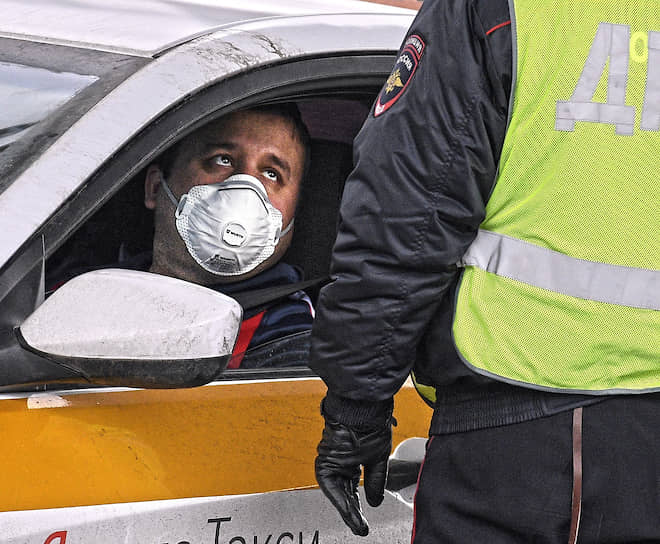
(488, 11)
(493, 14)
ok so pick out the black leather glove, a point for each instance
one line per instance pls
(341, 453)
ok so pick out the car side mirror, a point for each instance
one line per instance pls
(136, 329)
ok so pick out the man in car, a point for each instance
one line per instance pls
(224, 201)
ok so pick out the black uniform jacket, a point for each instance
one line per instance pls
(425, 163)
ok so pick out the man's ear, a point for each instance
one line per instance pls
(152, 181)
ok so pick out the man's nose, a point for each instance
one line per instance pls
(252, 170)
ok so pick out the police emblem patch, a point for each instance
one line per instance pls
(401, 75)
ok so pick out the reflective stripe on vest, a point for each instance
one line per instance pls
(561, 288)
(519, 260)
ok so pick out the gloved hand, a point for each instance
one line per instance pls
(341, 452)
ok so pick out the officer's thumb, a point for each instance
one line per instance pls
(375, 475)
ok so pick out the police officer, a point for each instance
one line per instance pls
(500, 233)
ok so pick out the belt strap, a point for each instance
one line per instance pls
(257, 298)
(576, 509)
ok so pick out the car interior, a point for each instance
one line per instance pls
(123, 226)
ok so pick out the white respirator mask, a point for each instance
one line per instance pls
(230, 227)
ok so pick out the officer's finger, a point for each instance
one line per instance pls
(375, 475)
(342, 493)
(347, 503)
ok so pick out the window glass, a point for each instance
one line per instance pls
(29, 94)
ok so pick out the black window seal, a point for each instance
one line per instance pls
(276, 83)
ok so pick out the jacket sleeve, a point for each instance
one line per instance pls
(412, 205)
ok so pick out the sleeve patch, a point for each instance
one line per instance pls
(402, 73)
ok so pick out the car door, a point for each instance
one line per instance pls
(230, 461)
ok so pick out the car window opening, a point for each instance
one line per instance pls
(120, 234)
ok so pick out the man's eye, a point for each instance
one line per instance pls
(271, 174)
(222, 160)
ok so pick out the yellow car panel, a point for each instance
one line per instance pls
(125, 445)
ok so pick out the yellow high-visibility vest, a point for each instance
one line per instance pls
(561, 288)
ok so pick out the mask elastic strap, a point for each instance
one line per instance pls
(168, 191)
(288, 227)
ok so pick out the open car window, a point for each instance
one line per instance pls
(120, 235)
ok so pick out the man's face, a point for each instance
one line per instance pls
(263, 145)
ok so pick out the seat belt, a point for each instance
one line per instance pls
(257, 298)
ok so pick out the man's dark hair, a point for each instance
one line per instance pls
(287, 110)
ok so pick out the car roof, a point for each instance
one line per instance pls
(149, 27)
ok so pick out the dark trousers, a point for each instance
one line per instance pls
(514, 483)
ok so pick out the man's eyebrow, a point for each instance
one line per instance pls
(280, 162)
(210, 146)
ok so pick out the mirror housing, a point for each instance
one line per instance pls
(137, 329)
